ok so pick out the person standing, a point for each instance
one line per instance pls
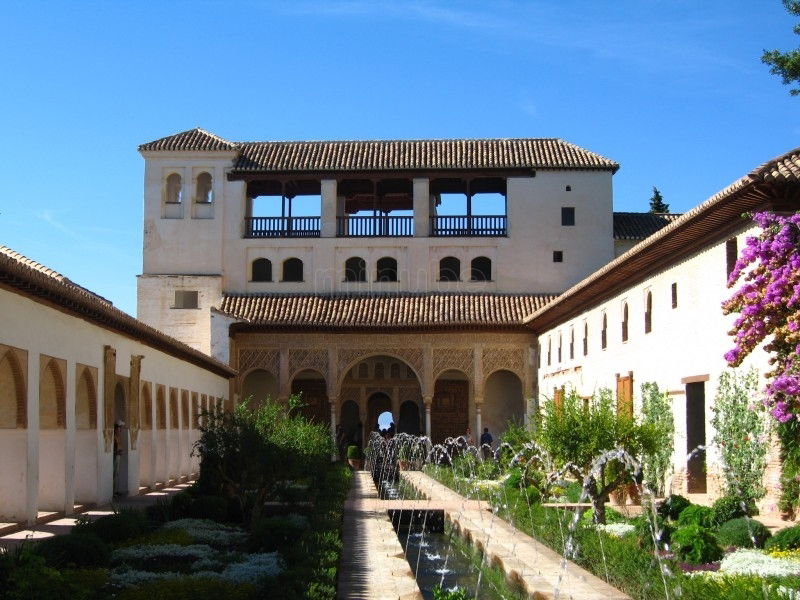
(486, 442)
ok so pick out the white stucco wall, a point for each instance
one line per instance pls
(56, 467)
(688, 341)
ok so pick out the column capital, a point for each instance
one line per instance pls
(428, 401)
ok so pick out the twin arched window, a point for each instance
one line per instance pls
(292, 270)
(480, 269)
(261, 270)
(355, 269)
(204, 188)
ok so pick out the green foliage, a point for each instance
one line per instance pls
(650, 529)
(743, 532)
(179, 537)
(657, 204)
(575, 436)
(181, 505)
(742, 433)
(442, 594)
(789, 433)
(573, 492)
(274, 533)
(189, 588)
(786, 64)
(115, 528)
(73, 550)
(250, 453)
(696, 514)
(657, 412)
(730, 507)
(214, 508)
(695, 545)
(353, 452)
(785, 539)
(672, 506)
(24, 575)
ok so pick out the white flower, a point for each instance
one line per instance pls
(754, 562)
(253, 568)
(616, 529)
(204, 531)
(147, 552)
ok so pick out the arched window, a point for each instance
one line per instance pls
(379, 371)
(261, 270)
(174, 189)
(387, 269)
(481, 269)
(625, 322)
(161, 409)
(293, 269)
(549, 353)
(363, 371)
(585, 339)
(648, 313)
(394, 371)
(604, 333)
(355, 269)
(205, 193)
(449, 269)
(571, 343)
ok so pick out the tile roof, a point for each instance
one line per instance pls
(32, 279)
(193, 140)
(389, 155)
(382, 311)
(637, 226)
(774, 185)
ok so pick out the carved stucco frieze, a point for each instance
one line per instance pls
(259, 358)
(308, 358)
(459, 359)
(509, 359)
(350, 356)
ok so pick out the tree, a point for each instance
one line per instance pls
(250, 454)
(786, 64)
(657, 410)
(593, 441)
(657, 204)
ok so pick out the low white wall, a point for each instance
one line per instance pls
(13, 472)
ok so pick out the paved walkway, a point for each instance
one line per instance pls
(373, 565)
(528, 564)
(59, 525)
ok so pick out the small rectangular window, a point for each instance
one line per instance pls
(558, 256)
(567, 216)
(674, 295)
(731, 254)
(185, 299)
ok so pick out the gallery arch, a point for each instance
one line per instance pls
(12, 390)
(311, 387)
(52, 434)
(450, 407)
(503, 402)
(258, 385)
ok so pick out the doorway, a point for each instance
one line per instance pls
(120, 443)
(696, 436)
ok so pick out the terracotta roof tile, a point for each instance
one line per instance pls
(388, 155)
(382, 311)
(637, 226)
(416, 155)
(33, 279)
(193, 140)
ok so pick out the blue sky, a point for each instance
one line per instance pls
(672, 90)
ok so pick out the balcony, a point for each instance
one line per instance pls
(469, 226)
(282, 227)
(378, 226)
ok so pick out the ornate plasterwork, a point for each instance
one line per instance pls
(349, 356)
(509, 359)
(460, 359)
(410, 394)
(306, 358)
(259, 358)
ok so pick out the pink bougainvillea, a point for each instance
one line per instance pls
(768, 305)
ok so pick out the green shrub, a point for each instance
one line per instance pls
(695, 545)
(274, 533)
(672, 506)
(574, 491)
(214, 508)
(353, 452)
(645, 534)
(74, 550)
(731, 507)
(696, 514)
(441, 594)
(741, 532)
(612, 516)
(785, 539)
(159, 537)
(85, 584)
(189, 588)
(159, 512)
(115, 528)
(181, 505)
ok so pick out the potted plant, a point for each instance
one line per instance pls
(354, 457)
(404, 457)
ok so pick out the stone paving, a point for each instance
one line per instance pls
(58, 524)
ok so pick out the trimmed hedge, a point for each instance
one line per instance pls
(74, 550)
(785, 539)
(741, 532)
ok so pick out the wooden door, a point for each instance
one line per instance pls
(449, 413)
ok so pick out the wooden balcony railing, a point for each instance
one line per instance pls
(282, 227)
(382, 226)
(469, 226)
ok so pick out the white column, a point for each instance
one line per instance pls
(69, 459)
(328, 211)
(478, 423)
(32, 482)
(422, 204)
(428, 402)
